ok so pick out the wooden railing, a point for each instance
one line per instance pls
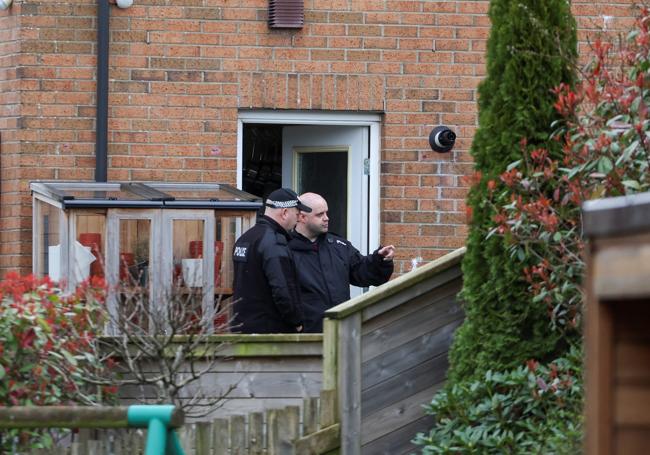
(385, 352)
(161, 422)
(293, 430)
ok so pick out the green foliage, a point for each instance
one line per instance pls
(531, 49)
(533, 409)
(605, 152)
(603, 149)
(46, 348)
(606, 130)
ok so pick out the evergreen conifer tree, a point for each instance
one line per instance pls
(531, 49)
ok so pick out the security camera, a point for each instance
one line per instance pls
(4, 4)
(442, 139)
(124, 3)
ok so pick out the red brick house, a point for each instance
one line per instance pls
(206, 91)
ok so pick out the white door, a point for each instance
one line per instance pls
(332, 161)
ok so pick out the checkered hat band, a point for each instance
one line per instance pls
(281, 204)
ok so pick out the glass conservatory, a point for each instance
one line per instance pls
(158, 237)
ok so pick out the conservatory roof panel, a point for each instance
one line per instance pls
(146, 195)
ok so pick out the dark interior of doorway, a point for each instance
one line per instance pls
(262, 171)
(262, 163)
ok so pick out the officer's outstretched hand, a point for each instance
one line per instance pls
(387, 252)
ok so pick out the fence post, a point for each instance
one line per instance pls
(309, 415)
(272, 432)
(328, 410)
(256, 433)
(220, 436)
(349, 383)
(288, 429)
(203, 437)
(330, 352)
(238, 435)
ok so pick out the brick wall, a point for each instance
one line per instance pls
(12, 202)
(181, 69)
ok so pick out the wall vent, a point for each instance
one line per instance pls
(286, 13)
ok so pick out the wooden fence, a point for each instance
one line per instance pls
(286, 431)
(617, 316)
(263, 371)
(293, 430)
(386, 354)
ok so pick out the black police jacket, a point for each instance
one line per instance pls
(266, 297)
(327, 268)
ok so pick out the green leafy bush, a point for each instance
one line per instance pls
(603, 150)
(47, 348)
(604, 135)
(534, 409)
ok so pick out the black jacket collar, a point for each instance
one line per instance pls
(274, 225)
(300, 242)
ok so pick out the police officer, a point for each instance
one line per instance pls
(327, 264)
(266, 297)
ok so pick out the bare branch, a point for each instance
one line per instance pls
(165, 351)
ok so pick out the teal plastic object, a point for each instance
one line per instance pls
(161, 440)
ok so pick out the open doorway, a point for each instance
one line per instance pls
(317, 169)
(333, 154)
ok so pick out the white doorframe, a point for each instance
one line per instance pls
(372, 121)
